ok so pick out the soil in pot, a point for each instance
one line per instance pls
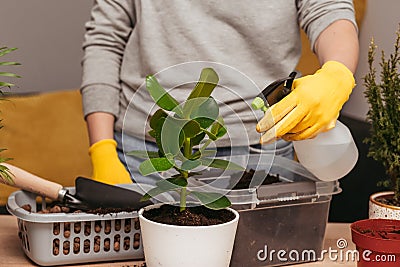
(388, 200)
(191, 216)
(381, 233)
(247, 176)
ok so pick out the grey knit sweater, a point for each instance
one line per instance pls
(248, 42)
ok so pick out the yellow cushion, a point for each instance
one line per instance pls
(45, 134)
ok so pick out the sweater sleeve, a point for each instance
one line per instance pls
(316, 15)
(107, 33)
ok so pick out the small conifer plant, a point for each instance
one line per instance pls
(383, 97)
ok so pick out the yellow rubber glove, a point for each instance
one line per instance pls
(107, 168)
(312, 107)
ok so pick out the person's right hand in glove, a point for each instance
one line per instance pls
(311, 107)
(107, 167)
(316, 100)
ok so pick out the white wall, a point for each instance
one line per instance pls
(380, 22)
(49, 35)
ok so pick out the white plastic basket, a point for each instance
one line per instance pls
(68, 238)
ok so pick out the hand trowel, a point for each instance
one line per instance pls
(89, 194)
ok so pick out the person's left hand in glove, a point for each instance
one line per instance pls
(316, 100)
(107, 167)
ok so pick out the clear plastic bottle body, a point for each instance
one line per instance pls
(330, 155)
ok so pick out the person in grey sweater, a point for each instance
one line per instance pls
(249, 44)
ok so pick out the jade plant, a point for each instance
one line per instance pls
(183, 133)
(384, 114)
(5, 173)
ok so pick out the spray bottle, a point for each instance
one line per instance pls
(330, 155)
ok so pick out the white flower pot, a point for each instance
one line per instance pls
(174, 246)
(379, 210)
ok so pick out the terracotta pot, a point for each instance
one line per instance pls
(377, 242)
(378, 210)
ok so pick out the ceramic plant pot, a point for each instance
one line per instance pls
(183, 246)
(379, 210)
(377, 242)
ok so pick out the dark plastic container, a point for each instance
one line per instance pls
(281, 223)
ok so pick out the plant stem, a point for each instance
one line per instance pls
(182, 203)
(187, 152)
(206, 144)
(187, 149)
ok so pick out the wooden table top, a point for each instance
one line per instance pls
(11, 253)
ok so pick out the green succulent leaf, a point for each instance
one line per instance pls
(156, 133)
(166, 185)
(212, 200)
(156, 120)
(177, 181)
(190, 165)
(218, 127)
(206, 113)
(191, 128)
(221, 132)
(221, 164)
(154, 165)
(195, 140)
(186, 129)
(204, 153)
(217, 133)
(153, 133)
(207, 82)
(161, 97)
(190, 174)
(172, 136)
(210, 135)
(204, 110)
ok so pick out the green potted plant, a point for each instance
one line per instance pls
(384, 115)
(5, 173)
(190, 233)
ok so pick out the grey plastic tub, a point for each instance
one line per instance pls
(289, 216)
